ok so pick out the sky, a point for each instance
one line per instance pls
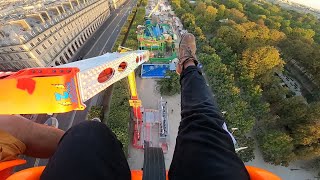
(311, 3)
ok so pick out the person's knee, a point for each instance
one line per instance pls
(88, 126)
(89, 142)
(89, 130)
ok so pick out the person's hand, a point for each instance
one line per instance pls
(41, 140)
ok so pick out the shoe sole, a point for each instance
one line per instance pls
(96, 119)
(53, 122)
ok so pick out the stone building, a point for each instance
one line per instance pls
(47, 34)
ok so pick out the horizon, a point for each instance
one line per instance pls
(310, 3)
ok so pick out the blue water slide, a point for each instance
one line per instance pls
(154, 31)
(149, 31)
(158, 31)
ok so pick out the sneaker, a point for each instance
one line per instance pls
(53, 122)
(96, 119)
(187, 51)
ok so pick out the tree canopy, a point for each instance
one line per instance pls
(242, 45)
(258, 61)
(277, 147)
(169, 86)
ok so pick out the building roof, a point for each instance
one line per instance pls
(21, 20)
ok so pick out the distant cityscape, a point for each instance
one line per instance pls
(311, 3)
(297, 6)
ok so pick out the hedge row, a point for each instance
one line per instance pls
(131, 41)
(119, 113)
(124, 30)
(135, 18)
(95, 112)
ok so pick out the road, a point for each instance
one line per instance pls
(101, 41)
(105, 39)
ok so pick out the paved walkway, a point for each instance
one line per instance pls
(150, 96)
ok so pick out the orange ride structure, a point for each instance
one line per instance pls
(65, 88)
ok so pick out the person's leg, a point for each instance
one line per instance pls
(89, 150)
(204, 149)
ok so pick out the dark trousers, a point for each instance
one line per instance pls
(204, 150)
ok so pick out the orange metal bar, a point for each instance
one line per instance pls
(136, 107)
(40, 90)
(35, 173)
(261, 174)
(133, 85)
(65, 88)
(28, 174)
(6, 168)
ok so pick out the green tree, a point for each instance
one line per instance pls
(230, 36)
(307, 34)
(274, 9)
(95, 112)
(210, 14)
(269, 79)
(210, 3)
(198, 31)
(292, 111)
(254, 35)
(298, 49)
(260, 22)
(225, 52)
(247, 154)
(277, 147)
(169, 86)
(306, 134)
(185, 6)
(272, 24)
(221, 11)
(228, 95)
(188, 19)
(314, 111)
(236, 15)
(258, 61)
(207, 49)
(275, 94)
(285, 24)
(132, 44)
(308, 152)
(256, 9)
(180, 11)
(234, 4)
(199, 10)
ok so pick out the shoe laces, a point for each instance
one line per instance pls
(188, 56)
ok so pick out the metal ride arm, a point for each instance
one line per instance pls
(64, 88)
